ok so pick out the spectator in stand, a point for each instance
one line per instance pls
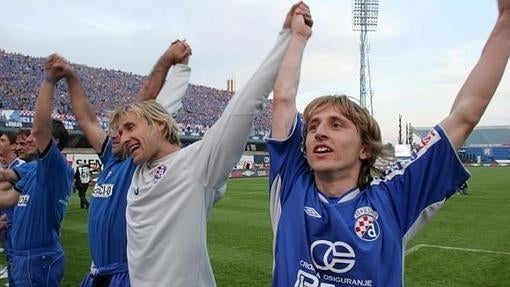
(108, 89)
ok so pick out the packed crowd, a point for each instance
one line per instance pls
(20, 76)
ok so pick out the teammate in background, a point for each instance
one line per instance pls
(173, 189)
(8, 150)
(37, 257)
(9, 155)
(8, 147)
(335, 226)
(81, 183)
(107, 213)
(25, 150)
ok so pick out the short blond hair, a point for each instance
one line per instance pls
(367, 127)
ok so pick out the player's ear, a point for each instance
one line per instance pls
(160, 126)
(365, 153)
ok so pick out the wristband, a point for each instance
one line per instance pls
(51, 80)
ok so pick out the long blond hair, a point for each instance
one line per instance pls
(154, 113)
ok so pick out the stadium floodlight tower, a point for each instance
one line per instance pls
(365, 14)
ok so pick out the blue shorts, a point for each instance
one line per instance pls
(116, 275)
(37, 267)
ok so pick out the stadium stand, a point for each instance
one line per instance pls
(486, 145)
(21, 75)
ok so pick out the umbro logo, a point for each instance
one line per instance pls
(312, 212)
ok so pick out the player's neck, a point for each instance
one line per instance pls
(30, 157)
(10, 158)
(335, 184)
(167, 148)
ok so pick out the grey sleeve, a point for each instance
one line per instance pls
(174, 88)
(224, 143)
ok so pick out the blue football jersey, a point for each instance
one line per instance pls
(107, 212)
(16, 162)
(22, 171)
(45, 186)
(8, 212)
(359, 238)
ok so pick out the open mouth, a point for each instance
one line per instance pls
(133, 148)
(322, 149)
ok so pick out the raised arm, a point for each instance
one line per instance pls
(41, 129)
(225, 141)
(83, 111)
(168, 93)
(287, 82)
(172, 90)
(482, 82)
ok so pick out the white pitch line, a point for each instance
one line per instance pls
(419, 246)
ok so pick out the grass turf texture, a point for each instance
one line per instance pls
(466, 244)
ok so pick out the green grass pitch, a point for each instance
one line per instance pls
(466, 244)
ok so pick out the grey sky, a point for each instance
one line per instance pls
(420, 55)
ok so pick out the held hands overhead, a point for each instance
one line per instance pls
(299, 20)
(178, 53)
(56, 68)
